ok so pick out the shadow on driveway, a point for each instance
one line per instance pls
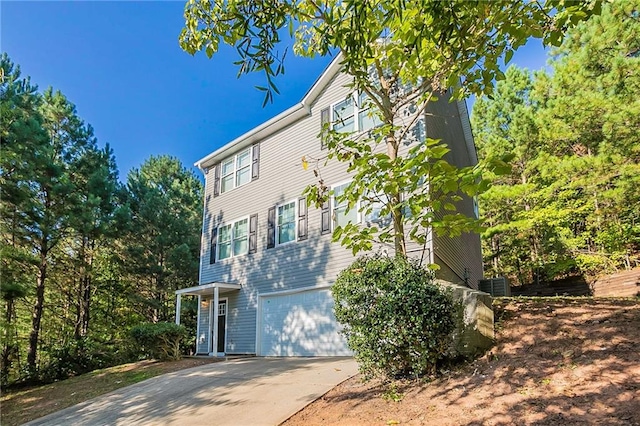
(249, 391)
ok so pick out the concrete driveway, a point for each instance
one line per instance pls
(247, 391)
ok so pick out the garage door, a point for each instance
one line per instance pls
(299, 324)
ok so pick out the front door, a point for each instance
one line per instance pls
(222, 325)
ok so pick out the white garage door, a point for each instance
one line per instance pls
(299, 324)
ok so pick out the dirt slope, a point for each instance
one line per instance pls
(556, 362)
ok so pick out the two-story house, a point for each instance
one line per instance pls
(267, 260)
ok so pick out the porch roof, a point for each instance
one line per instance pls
(207, 289)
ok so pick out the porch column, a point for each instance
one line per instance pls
(216, 298)
(178, 301)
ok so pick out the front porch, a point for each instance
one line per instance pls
(216, 332)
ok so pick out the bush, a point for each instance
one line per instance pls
(395, 318)
(160, 340)
(79, 356)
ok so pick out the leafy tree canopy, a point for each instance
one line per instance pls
(436, 41)
(401, 55)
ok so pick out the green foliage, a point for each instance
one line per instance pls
(165, 202)
(78, 357)
(570, 203)
(396, 320)
(402, 55)
(83, 258)
(160, 340)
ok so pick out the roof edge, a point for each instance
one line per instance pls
(278, 122)
(263, 130)
(463, 111)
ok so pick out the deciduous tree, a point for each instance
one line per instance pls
(402, 55)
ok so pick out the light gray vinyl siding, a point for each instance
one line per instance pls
(202, 341)
(314, 262)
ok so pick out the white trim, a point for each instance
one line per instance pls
(202, 241)
(295, 290)
(178, 308)
(332, 69)
(295, 222)
(278, 122)
(261, 297)
(357, 110)
(332, 205)
(198, 323)
(212, 350)
(463, 112)
(234, 173)
(201, 290)
(232, 224)
(256, 134)
(333, 119)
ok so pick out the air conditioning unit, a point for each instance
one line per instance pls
(498, 286)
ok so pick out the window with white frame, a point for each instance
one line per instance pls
(233, 239)
(366, 117)
(340, 214)
(236, 171)
(353, 114)
(286, 223)
(373, 216)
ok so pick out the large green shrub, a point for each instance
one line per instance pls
(160, 340)
(396, 320)
(75, 357)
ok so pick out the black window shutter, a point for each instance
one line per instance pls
(302, 219)
(271, 228)
(325, 226)
(214, 245)
(216, 181)
(253, 233)
(324, 122)
(255, 163)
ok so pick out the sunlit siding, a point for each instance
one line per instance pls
(313, 262)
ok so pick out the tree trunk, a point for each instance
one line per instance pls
(32, 355)
(84, 298)
(400, 245)
(9, 348)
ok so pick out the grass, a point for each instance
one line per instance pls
(26, 404)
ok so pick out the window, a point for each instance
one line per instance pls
(374, 217)
(353, 115)
(359, 213)
(343, 116)
(366, 119)
(224, 242)
(340, 214)
(233, 239)
(236, 171)
(286, 225)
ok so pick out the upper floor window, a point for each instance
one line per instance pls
(233, 239)
(353, 114)
(236, 171)
(286, 222)
(368, 210)
(340, 214)
(374, 216)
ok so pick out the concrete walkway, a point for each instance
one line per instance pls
(247, 391)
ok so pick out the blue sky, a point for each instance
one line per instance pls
(120, 63)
